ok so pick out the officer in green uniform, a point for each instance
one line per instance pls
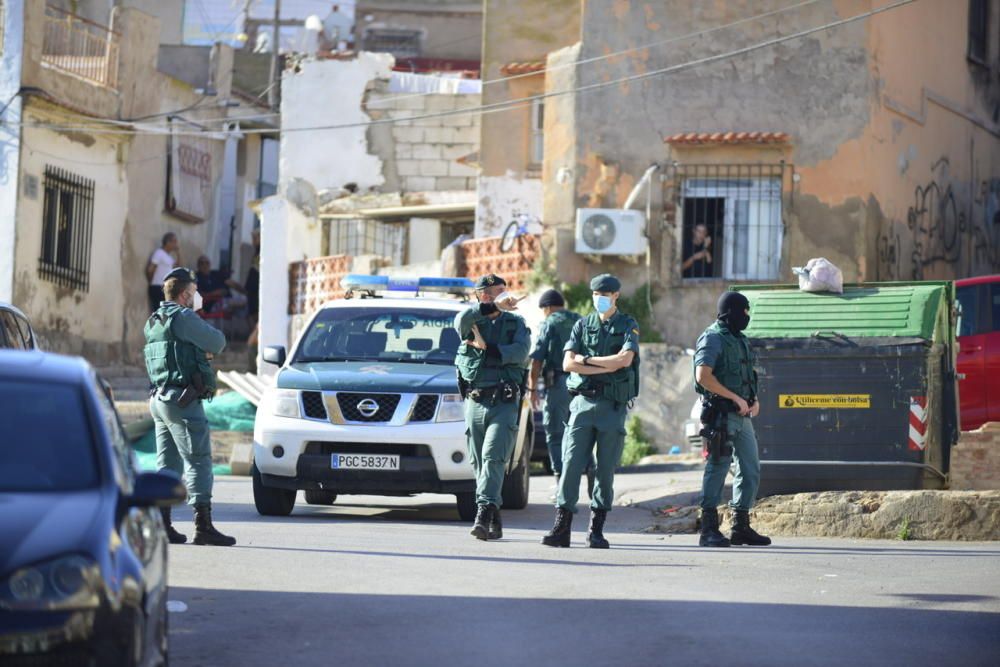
(492, 370)
(178, 343)
(547, 362)
(603, 357)
(726, 379)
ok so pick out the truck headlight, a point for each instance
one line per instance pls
(285, 403)
(71, 582)
(452, 408)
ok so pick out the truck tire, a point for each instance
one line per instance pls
(466, 505)
(320, 497)
(270, 501)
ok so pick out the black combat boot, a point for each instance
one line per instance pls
(205, 532)
(596, 536)
(172, 534)
(744, 534)
(495, 531)
(480, 530)
(559, 535)
(710, 535)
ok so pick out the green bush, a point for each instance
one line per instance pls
(579, 298)
(637, 445)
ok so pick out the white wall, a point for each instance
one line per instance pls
(424, 241)
(327, 92)
(10, 83)
(500, 197)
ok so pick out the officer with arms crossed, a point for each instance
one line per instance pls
(603, 357)
(178, 343)
(547, 362)
(725, 377)
(491, 364)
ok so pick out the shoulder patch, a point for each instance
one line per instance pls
(635, 331)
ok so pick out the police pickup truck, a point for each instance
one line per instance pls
(367, 402)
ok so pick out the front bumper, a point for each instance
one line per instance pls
(427, 452)
(49, 638)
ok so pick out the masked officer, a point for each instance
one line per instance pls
(491, 364)
(547, 362)
(178, 343)
(726, 379)
(603, 357)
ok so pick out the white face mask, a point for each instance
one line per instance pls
(196, 302)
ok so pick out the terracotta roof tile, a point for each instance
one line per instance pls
(523, 68)
(709, 138)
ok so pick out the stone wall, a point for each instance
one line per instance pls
(975, 461)
(422, 155)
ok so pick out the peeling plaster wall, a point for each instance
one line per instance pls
(10, 142)
(328, 92)
(68, 320)
(501, 197)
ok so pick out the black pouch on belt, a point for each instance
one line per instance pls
(188, 396)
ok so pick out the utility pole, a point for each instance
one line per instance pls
(272, 91)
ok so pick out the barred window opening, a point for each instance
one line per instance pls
(731, 226)
(67, 227)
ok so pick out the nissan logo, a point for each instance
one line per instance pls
(367, 407)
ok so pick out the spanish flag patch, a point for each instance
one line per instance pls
(635, 331)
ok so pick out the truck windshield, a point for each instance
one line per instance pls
(48, 443)
(381, 334)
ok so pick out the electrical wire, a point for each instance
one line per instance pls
(508, 105)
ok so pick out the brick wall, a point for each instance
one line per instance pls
(483, 256)
(424, 153)
(975, 461)
(313, 282)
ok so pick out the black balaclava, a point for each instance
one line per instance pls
(732, 311)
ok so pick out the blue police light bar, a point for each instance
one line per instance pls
(362, 283)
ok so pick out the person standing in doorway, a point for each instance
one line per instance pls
(161, 262)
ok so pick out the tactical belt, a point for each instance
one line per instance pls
(502, 392)
(586, 393)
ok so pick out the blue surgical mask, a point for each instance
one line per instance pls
(602, 303)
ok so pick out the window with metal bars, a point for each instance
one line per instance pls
(979, 14)
(731, 225)
(399, 42)
(369, 237)
(67, 227)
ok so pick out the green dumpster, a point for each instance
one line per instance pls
(858, 390)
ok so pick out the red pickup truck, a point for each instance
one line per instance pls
(979, 350)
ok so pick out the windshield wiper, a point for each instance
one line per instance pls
(308, 360)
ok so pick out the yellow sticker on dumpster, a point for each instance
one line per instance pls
(825, 400)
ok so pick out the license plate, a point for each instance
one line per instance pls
(364, 461)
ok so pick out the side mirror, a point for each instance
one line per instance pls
(274, 354)
(157, 489)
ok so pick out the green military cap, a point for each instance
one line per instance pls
(465, 319)
(490, 280)
(182, 274)
(605, 283)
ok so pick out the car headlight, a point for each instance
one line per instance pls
(285, 403)
(70, 582)
(452, 408)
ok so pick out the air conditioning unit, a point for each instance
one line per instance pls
(610, 231)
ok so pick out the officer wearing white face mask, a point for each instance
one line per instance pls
(602, 357)
(178, 343)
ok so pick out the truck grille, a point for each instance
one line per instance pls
(351, 405)
(425, 407)
(312, 405)
(327, 448)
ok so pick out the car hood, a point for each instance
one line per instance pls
(39, 526)
(371, 376)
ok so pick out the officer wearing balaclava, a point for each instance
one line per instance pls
(725, 377)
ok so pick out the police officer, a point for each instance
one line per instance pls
(547, 362)
(491, 364)
(725, 377)
(603, 357)
(178, 343)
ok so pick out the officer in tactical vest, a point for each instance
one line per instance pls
(178, 343)
(603, 357)
(492, 371)
(726, 379)
(547, 363)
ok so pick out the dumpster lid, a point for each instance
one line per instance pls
(873, 310)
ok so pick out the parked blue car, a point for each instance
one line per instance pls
(83, 551)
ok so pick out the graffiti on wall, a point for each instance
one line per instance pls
(951, 231)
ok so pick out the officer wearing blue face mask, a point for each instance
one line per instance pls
(602, 356)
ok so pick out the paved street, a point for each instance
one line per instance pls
(382, 581)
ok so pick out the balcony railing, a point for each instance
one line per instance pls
(80, 47)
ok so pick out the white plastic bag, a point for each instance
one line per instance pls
(820, 275)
